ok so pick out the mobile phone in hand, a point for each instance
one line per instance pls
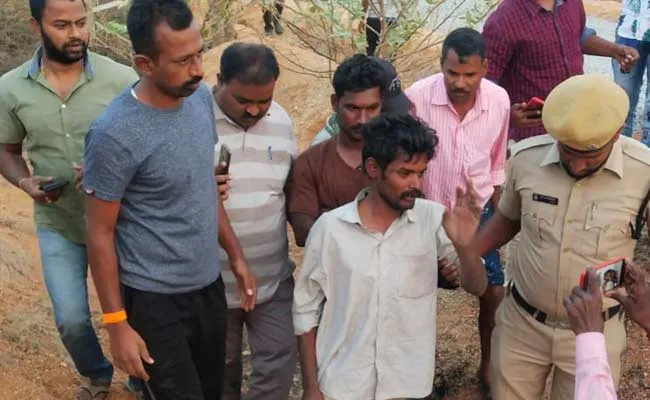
(223, 162)
(54, 185)
(535, 103)
(611, 274)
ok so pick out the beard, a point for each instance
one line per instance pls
(64, 55)
(186, 90)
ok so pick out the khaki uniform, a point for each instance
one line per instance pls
(566, 226)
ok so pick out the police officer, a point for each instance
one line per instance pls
(575, 195)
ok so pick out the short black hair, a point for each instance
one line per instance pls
(145, 15)
(388, 135)
(465, 42)
(38, 6)
(358, 73)
(249, 63)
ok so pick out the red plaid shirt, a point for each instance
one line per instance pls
(530, 50)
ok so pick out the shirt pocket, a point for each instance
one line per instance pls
(538, 221)
(418, 273)
(611, 239)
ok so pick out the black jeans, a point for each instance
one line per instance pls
(373, 32)
(185, 335)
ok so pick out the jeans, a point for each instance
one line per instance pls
(65, 269)
(631, 82)
(495, 275)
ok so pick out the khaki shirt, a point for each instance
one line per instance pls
(568, 225)
(54, 129)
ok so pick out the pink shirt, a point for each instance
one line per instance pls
(593, 376)
(473, 148)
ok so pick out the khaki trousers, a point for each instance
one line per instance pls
(524, 350)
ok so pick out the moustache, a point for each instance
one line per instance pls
(75, 43)
(194, 81)
(412, 193)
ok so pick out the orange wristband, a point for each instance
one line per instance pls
(114, 317)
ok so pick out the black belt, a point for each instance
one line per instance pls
(542, 317)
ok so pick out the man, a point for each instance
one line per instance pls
(584, 307)
(359, 86)
(153, 210)
(633, 30)
(393, 101)
(365, 313)
(259, 134)
(533, 45)
(471, 116)
(272, 13)
(48, 103)
(575, 196)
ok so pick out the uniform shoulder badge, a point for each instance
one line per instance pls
(536, 141)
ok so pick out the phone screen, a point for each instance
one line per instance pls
(610, 276)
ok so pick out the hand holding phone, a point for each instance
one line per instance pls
(523, 117)
(535, 104)
(53, 185)
(223, 162)
(611, 275)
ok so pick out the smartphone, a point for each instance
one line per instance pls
(611, 274)
(535, 103)
(223, 162)
(54, 185)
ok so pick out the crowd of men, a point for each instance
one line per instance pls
(402, 192)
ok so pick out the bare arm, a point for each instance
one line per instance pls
(301, 224)
(101, 217)
(473, 277)
(308, 365)
(245, 278)
(12, 165)
(496, 197)
(127, 346)
(498, 231)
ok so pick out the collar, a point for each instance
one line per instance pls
(34, 66)
(439, 95)
(533, 8)
(351, 213)
(614, 163)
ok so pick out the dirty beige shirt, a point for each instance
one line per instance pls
(567, 224)
(373, 298)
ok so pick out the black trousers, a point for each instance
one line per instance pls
(373, 32)
(185, 335)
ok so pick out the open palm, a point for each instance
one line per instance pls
(462, 221)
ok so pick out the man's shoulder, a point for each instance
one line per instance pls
(117, 113)
(281, 115)
(14, 77)
(424, 83)
(527, 146)
(495, 92)
(315, 153)
(428, 209)
(635, 150)
(503, 17)
(111, 70)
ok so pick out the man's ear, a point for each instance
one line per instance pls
(335, 102)
(36, 27)
(372, 168)
(143, 64)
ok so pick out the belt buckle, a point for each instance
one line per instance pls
(558, 324)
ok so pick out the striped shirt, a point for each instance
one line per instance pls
(473, 148)
(261, 160)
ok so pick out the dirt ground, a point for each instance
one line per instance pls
(34, 365)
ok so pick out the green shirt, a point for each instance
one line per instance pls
(54, 129)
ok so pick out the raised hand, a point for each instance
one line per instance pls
(462, 221)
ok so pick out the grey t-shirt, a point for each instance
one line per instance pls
(159, 164)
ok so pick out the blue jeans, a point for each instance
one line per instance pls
(492, 260)
(631, 82)
(65, 269)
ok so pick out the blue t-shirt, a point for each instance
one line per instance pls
(159, 164)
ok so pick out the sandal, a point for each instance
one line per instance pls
(90, 390)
